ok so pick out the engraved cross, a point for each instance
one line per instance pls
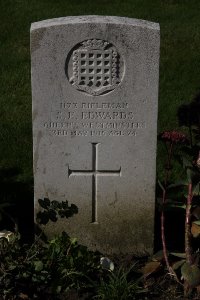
(95, 172)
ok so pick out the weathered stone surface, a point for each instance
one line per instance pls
(95, 90)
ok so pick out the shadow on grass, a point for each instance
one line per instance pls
(16, 204)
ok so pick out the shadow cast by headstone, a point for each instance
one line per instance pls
(16, 204)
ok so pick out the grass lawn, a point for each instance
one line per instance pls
(179, 62)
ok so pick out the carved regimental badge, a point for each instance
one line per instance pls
(94, 67)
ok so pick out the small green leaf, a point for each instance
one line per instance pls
(158, 256)
(193, 177)
(71, 260)
(151, 267)
(196, 222)
(73, 241)
(178, 264)
(187, 163)
(79, 254)
(58, 289)
(191, 274)
(25, 275)
(196, 212)
(38, 264)
(176, 185)
(196, 189)
(173, 205)
(12, 267)
(5, 204)
(177, 254)
(177, 205)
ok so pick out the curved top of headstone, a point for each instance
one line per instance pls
(94, 19)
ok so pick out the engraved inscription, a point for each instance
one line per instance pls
(94, 173)
(90, 119)
(106, 119)
(94, 67)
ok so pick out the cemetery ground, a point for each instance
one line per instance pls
(61, 268)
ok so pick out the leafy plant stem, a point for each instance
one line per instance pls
(188, 247)
(167, 168)
(167, 174)
(163, 234)
(28, 258)
(170, 270)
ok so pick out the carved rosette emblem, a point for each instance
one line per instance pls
(94, 67)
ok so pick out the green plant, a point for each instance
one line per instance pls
(170, 139)
(189, 157)
(120, 284)
(46, 270)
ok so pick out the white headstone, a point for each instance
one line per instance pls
(95, 93)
